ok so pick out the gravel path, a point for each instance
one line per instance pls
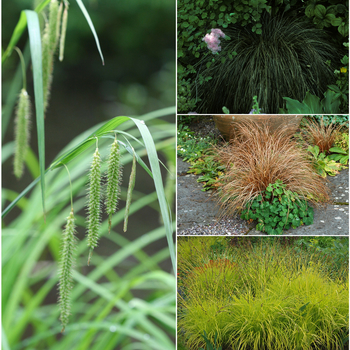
(197, 211)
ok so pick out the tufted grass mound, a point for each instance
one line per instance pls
(287, 59)
(267, 297)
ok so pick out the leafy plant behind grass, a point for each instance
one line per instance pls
(257, 158)
(271, 65)
(323, 164)
(197, 150)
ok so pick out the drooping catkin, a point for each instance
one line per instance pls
(63, 32)
(47, 62)
(129, 194)
(22, 125)
(113, 178)
(58, 23)
(94, 206)
(49, 42)
(66, 268)
(52, 28)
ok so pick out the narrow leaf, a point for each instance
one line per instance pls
(88, 19)
(158, 182)
(35, 49)
(19, 29)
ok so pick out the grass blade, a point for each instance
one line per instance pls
(88, 19)
(158, 182)
(17, 33)
(35, 48)
(12, 93)
(19, 29)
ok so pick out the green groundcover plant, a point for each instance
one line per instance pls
(268, 296)
(278, 209)
(49, 244)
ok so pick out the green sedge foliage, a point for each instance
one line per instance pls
(113, 181)
(22, 124)
(267, 297)
(129, 194)
(210, 346)
(94, 207)
(67, 261)
(278, 209)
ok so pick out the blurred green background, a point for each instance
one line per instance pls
(137, 39)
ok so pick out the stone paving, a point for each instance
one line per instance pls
(197, 212)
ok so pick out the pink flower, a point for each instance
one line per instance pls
(212, 40)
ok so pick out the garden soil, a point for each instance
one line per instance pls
(198, 213)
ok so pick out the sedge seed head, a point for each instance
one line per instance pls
(113, 179)
(66, 268)
(58, 23)
(63, 32)
(22, 135)
(47, 65)
(53, 16)
(114, 173)
(94, 200)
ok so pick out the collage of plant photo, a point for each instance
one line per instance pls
(175, 175)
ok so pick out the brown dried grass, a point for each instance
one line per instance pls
(255, 158)
(320, 135)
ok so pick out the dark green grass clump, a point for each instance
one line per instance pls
(288, 59)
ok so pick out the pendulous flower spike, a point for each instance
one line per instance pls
(66, 268)
(22, 125)
(113, 178)
(63, 32)
(94, 206)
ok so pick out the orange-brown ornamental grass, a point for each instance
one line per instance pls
(255, 158)
(320, 135)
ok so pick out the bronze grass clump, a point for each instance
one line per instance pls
(256, 157)
(320, 135)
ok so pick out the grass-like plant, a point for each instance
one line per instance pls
(286, 60)
(107, 314)
(256, 158)
(318, 134)
(274, 298)
(100, 302)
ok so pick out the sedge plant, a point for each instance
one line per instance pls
(257, 158)
(271, 298)
(286, 58)
(100, 306)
